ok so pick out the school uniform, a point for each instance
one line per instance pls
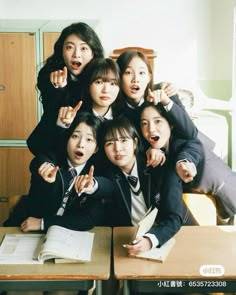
(160, 187)
(55, 97)
(214, 177)
(44, 200)
(175, 113)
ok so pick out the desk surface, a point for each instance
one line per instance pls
(195, 246)
(97, 269)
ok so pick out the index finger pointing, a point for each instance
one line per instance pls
(78, 106)
(65, 72)
(91, 171)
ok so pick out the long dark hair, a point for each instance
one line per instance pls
(125, 58)
(99, 68)
(159, 107)
(85, 33)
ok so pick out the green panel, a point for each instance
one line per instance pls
(219, 89)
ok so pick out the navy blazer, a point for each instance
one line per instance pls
(161, 188)
(44, 200)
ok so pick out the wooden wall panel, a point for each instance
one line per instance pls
(14, 171)
(18, 97)
(49, 40)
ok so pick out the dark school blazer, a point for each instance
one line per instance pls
(161, 188)
(44, 200)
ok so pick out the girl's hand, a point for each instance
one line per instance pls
(30, 223)
(155, 157)
(84, 183)
(67, 114)
(186, 171)
(158, 96)
(48, 172)
(169, 88)
(59, 78)
(140, 244)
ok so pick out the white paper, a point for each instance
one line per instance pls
(20, 248)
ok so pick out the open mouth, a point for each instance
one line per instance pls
(155, 138)
(76, 64)
(79, 154)
(135, 88)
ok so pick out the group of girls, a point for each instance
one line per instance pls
(103, 118)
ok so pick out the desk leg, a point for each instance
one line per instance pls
(126, 288)
(98, 287)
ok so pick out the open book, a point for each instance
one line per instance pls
(59, 243)
(157, 254)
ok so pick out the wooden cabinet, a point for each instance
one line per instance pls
(18, 97)
(49, 39)
(20, 107)
(14, 170)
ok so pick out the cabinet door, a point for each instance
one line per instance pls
(49, 39)
(18, 97)
(14, 171)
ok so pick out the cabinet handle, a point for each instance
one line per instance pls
(2, 87)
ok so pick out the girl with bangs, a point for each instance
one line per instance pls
(100, 95)
(137, 187)
(101, 85)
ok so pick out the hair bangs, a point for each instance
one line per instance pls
(107, 71)
(113, 133)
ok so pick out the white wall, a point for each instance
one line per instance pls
(192, 38)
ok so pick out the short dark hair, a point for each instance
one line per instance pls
(87, 118)
(121, 125)
(81, 117)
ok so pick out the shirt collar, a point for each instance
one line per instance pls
(77, 168)
(134, 171)
(108, 115)
(138, 105)
(73, 77)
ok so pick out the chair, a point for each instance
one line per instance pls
(12, 201)
(203, 208)
(150, 53)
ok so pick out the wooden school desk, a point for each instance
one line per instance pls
(210, 250)
(50, 276)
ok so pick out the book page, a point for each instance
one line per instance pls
(158, 254)
(20, 248)
(147, 222)
(65, 243)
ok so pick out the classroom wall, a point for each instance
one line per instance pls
(192, 38)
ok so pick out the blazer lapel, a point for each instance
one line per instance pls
(145, 181)
(124, 191)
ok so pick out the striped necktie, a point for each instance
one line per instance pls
(69, 178)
